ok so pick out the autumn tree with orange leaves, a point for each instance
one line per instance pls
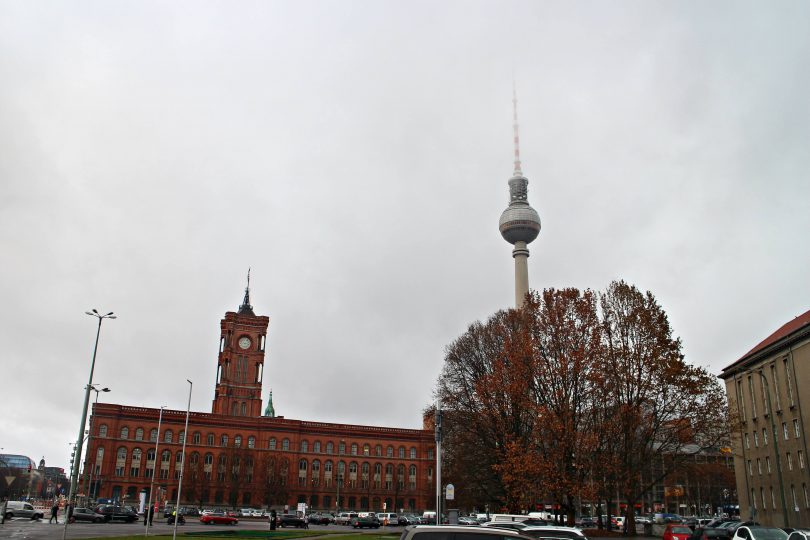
(566, 398)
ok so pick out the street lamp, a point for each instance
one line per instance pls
(74, 471)
(87, 457)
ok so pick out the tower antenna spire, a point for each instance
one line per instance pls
(518, 171)
(246, 308)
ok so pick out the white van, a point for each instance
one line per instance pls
(16, 509)
(388, 518)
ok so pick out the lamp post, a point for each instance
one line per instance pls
(182, 464)
(74, 471)
(154, 471)
(87, 456)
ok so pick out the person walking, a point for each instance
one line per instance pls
(54, 514)
(3, 508)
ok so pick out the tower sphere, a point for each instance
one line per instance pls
(519, 223)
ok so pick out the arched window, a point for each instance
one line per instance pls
(121, 455)
(244, 409)
(100, 453)
(139, 434)
(102, 430)
(366, 449)
(125, 433)
(195, 439)
(285, 444)
(209, 458)
(413, 453)
(389, 469)
(316, 467)
(150, 454)
(341, 470)
(377, 469)
(237, 441)
(365, 469)
(389, 452)
(251, 442)
(412, 471)
(209, 439)
(182, 437)
(168, 435)
(153, 434)
(271, 444)
(316, 447)
(342, 448)
(194, 458)
(223, 441)
(302, 465)
(178, 458)
(165, 456)
(401, 452)
(136, 455)
(304, 446)
(354, 449)
(378, 450)
(330, 448)
(353, 467)
(327, 467)
(234, 409)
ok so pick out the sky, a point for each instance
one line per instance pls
(355, 155)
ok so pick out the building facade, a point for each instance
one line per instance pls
(766, 390)
(235, 457)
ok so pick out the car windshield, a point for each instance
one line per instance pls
(768, 533)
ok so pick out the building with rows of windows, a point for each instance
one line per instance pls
(237, 457)
(766, 389)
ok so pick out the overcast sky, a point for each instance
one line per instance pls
(356, 155)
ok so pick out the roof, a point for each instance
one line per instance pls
(797, 324)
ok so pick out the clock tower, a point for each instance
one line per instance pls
(240, 365)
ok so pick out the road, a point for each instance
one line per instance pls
(42, 530)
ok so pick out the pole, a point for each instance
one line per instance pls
(438, 422)
(154, 471)
(74, 471)
(182, 463)
(87, 458)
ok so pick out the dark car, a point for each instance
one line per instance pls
(588, 522)
(704, 533)
(292, 520)
(319, 519)
(116, 513)
(366, 521)
(87, 514)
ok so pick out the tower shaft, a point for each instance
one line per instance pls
(521, 255)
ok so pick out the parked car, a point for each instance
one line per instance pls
(758, 532)
(218, 518)
(546, 532)
(703, 533)
(428, 532)
(87, 514)
(467, 520)
(345, 518)
(319, 519)
(292, 520)
(112, 512)
(588, 522)
(676, 531)
(367, 521)
(506, 525)
(799, 534)
(388, 518)
(20, 509)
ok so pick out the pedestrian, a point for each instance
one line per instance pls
(54, 513)
(3, 507)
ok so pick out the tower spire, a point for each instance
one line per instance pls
(518, 171)
(246, 308)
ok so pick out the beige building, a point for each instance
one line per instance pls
(767, 389)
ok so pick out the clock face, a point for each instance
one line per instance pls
(244, 342)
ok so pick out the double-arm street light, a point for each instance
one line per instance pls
(74, 471)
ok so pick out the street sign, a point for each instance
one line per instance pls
(450, 492)
(10, 480)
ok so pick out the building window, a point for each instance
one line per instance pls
(768, 464)
(285, 444)
(354, 449)
(800, 455)
(378, 450)
(747, 441)
(209, 459)
(413, 449)
(168, 435)
(789, 461)
(342, 448)
(401, 452)
(776, 387)
(330, 448)
(773, 500)
(759, 466)
(754, 497)
(796, 427)
(209, 439)
(304, 446)
(430, 452)
(793, 495)
(223, 440)
(251, 442)
(182, 437)
(271, 444)
(765, 389)
(756, 440)
(750, 471)
(789, 380)
(139, 434)
(785, 430)
(753, 397)
(366, 450)
(389, 452)
(125, 433)
(806, 498)
(237, 441)
(764, 436)
(195, 439)
(102, 430)
(741, 400)
(316, 447)
(762, 495)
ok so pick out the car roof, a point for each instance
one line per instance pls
(469, 530)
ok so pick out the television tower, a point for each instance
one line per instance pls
(519, 223)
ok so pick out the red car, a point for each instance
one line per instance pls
(676, 531)
(218, 518)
